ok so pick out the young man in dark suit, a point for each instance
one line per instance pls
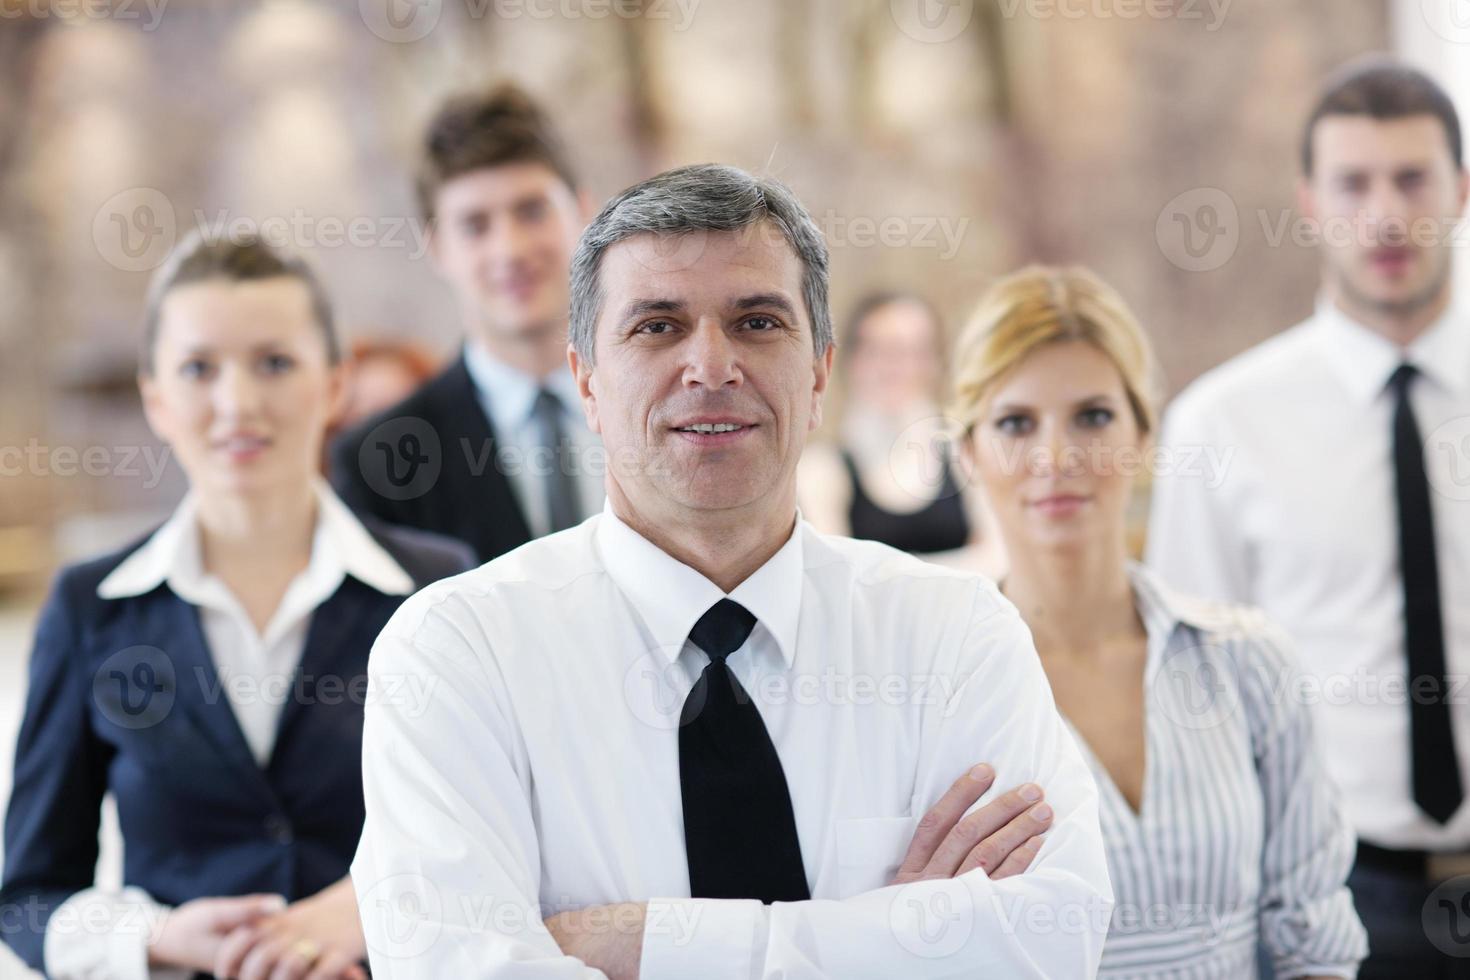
(495, 451)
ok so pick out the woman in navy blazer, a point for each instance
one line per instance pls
(212, 675)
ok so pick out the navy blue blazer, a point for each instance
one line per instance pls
(124, 697)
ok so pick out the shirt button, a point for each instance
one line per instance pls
(279, 829)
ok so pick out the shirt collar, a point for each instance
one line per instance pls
(340, 546)
(509, 393)
(1163, 610)
(670, 596)
(1364, 359)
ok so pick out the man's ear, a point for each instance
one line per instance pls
(582, 372)
(1462, 192)
(822, 372)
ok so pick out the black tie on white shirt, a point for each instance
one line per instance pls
(739, 827)
(1436, 771)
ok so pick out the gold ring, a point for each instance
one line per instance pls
(307, 949)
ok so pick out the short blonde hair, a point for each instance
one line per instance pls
(1041, 305)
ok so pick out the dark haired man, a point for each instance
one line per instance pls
(1345, 510)
(495, 450)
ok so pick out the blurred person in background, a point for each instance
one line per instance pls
(1342, 511)
(380, 374)
(495, 450)
(212, 675)
(1221, 816)
(888, 477)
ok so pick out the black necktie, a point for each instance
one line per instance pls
(739, 829)
(561, 486)
(1436, 771)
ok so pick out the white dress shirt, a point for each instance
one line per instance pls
(256, 670)
(1239, 839)
(544, 774)
(508, 397)
(1277, 490)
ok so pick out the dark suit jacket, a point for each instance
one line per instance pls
(429, 462)
(124, 697)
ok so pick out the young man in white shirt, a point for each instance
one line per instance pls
(1342, 509)
(692, 737)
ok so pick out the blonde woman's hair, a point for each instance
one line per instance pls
(1042, 305)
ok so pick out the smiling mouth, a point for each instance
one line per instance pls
(713, 428)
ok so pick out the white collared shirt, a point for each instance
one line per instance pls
(543, 775)
(255, 671)
(1277, 490)
(508, 397)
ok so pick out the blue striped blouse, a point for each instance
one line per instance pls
(1239, 838)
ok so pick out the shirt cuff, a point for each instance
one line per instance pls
(102, 933)
(709, 938)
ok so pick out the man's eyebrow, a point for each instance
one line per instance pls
(768, 301)
(643, 307)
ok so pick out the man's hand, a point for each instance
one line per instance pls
(317, 938)
(605, 937)
(1002, 836)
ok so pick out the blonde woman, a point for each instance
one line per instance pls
(1222, 829)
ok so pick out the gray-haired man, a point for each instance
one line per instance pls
(692, 737)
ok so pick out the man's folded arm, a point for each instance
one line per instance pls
(1049, 921)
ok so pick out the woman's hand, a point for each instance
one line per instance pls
(192, 934)
(317, 938)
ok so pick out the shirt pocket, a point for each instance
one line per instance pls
(869, 851)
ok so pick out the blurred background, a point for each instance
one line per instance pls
(939, 143)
